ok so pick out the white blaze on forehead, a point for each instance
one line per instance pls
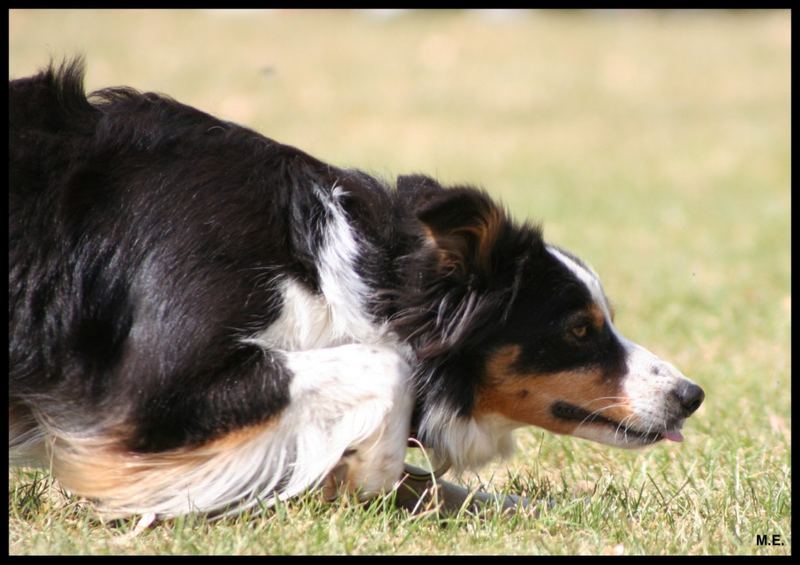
(587, 276)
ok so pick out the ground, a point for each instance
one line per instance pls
(655, 146)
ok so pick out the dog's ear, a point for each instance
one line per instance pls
(464, 224)
(417, 190)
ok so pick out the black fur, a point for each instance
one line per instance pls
(144, 241)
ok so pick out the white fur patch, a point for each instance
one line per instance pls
(344, 290)
(647, 385)
(348, 397)
(467, 443)
(342, 398)
(338, 315)
(587, 276)
(305, 322)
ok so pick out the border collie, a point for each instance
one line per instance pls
(204, 319)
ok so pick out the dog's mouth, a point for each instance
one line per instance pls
(566, 411)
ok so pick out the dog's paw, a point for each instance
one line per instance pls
(417, 495)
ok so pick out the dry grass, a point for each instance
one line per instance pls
(655, 146)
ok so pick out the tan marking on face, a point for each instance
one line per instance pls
(428, 233)
(527, 397)
(597, 316)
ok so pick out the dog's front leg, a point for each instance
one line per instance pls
(362, 396)
(418, 495)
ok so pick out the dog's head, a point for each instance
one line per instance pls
(526, 335)
(573, 372)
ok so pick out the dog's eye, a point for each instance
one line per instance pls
(580, 330)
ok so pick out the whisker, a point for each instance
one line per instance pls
(600, 410)
(621, 424)
(650, 427)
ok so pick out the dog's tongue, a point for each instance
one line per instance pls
(673, 435)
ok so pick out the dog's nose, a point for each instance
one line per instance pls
(689, 396)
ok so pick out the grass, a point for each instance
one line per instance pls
(657, 147)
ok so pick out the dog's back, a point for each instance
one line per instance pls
(135, 238)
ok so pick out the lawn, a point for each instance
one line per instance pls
(655, 146)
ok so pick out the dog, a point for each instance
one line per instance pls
(203, 319)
